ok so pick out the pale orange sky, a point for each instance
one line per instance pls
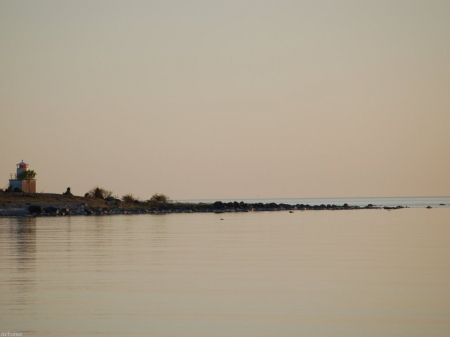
(228, 99)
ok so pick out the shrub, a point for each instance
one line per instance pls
(99, 193)
(128, 198)
(27, 175)
(159, 199)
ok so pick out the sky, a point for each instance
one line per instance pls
(228, 99)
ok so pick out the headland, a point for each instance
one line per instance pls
(48, 204)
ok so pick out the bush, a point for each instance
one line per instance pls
(128, 198)
(99, 193)
(159, 199)
(27, 175)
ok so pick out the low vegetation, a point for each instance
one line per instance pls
(128, 198)
(99, 193)
(97, 198)
(159, 198)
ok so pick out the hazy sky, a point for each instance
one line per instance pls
(228, 99)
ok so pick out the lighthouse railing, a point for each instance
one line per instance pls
(13, 176)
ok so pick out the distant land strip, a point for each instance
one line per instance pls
(18, 204)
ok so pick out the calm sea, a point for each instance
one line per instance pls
(397, 201)
(259, 274)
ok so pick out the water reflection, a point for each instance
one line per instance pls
(257, 274)
(18, 256)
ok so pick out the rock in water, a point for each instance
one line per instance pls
(64, 210)
(51, 209)
(35, 209)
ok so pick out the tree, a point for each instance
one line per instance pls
(27, 175)
(159, 199)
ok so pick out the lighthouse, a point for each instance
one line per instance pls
(25, 185)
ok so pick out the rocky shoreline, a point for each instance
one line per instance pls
(116, 207)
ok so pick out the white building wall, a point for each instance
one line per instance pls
(15, 184)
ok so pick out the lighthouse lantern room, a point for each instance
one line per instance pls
(28, 186)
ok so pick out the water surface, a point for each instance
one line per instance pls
(324, 273)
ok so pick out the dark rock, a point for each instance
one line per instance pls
(35, 209)
(286, 206)
(67, 192)
(429, 207)
(51, 209)
(243, 204)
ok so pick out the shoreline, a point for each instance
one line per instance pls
(46, 204)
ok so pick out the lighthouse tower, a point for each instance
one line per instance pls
(28, 186)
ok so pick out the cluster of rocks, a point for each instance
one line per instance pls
(50, 210)
(217, 207)
(230, 206)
